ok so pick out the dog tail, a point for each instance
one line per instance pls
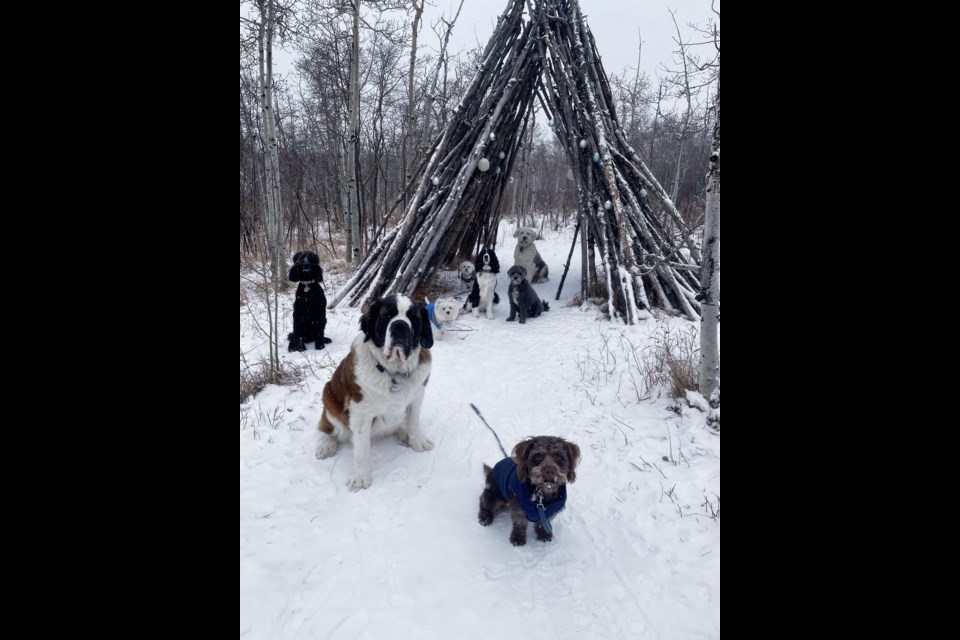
(546, 307)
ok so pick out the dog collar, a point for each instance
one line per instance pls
(433, 320)
(394, 385)
(306, 284)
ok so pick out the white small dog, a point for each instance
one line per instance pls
(527, 256)
(442, 312)
(487, 282)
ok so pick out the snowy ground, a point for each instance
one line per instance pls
(636, 553)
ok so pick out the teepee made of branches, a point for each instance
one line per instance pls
(541, 52)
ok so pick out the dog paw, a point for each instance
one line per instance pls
(326, 449)
(522, 321)
(510, 319)
(518, 539)
(296, 347)
(423, 445)
(320, 345)
(358, 481)
(485, 517)
(476, 313)
(542, 535)
(327, 340)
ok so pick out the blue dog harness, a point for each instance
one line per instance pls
(508, 482)
(430, 315)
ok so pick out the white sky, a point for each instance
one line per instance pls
(617, 26)
(614, 23)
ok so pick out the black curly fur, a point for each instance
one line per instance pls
(524, 301)
(310, 304)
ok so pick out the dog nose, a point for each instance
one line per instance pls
(549, 475)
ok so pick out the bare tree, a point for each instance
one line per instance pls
(682, 80)
(710, 270)
(710, 273)
(266, 27)
(353, 144)
(431, 89)
(408, 121)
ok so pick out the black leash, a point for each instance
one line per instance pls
(479, 415)
(538, 496)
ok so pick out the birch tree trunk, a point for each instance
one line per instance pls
(274, 217)
(353, 223)
(408, 155)
(710, 272)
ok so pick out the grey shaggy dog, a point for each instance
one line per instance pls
(524, 301)
(538, 471)
(527, 256)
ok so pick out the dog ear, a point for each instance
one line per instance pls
(426, 328)
(573, 454)
(520, 457)
(294, 275)
(368, 321)
(517, 232)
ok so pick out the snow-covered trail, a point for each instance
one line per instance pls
(407, 557)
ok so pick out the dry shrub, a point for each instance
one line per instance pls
(253, 378)
(673, 360)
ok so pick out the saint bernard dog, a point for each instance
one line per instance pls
(378, 388)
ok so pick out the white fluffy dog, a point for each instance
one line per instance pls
(527, 256)
(487, 282)
(442, 312)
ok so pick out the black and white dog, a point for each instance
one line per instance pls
(310, 305)
(523, 299)
(484, 292)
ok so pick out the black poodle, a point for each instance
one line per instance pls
(310, 305)
(523, 299)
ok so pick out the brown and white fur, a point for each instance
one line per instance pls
(361, 402)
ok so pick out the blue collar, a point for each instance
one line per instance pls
(433, 321)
